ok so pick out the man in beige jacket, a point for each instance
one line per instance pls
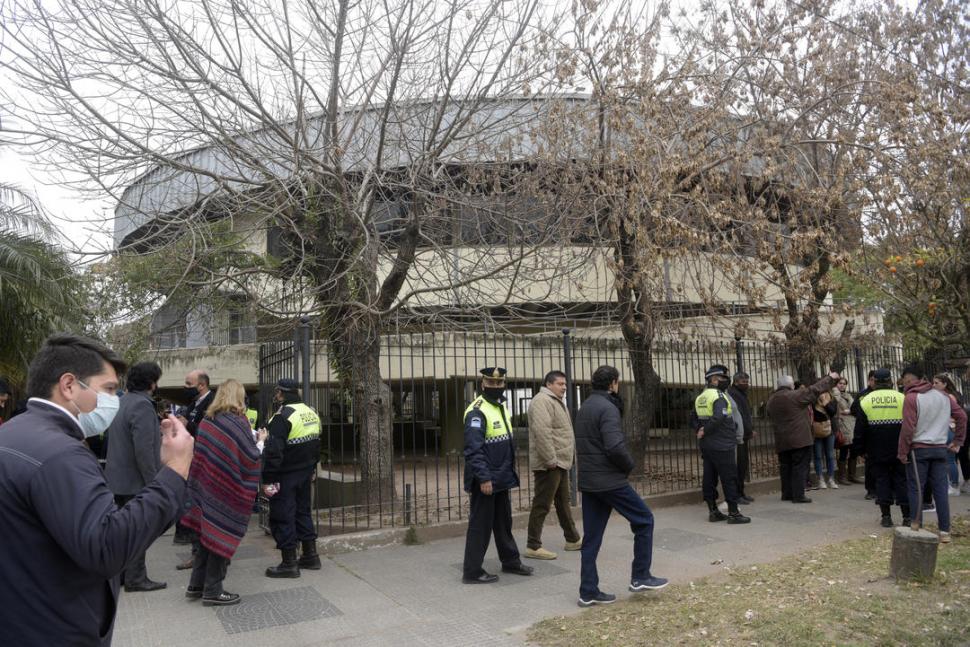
(551, 451)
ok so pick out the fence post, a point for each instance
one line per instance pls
(859, 373)
(305, 352)
(567, 360)
(738, 347)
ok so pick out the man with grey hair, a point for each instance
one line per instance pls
(788, 414)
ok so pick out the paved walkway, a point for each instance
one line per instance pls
(412, 595)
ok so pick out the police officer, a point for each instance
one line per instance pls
(290, 458)
(489, 475)
(714, 422)
(880, 419)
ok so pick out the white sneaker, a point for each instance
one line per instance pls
(953, 490)
(832, 483)
(821, 483)
(965, 488)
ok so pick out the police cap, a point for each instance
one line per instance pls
(882, 375)
(288, 385)
(716, 369)
(493, 372)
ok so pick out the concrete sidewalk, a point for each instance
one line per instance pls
(412, 595)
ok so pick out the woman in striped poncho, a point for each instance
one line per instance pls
(222, 486)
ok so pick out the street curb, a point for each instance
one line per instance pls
(358, 541)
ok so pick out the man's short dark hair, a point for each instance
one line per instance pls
(142, 375)
(604, 376)
(203, 378)
(552, 376)
(63, 353)
(915, 370)
(741, 375)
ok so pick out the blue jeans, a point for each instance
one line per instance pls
(929, 471)
(825, 446)
(597, 507)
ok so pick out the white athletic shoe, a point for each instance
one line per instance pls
(822, 485)
(832, 483)
(953, 490)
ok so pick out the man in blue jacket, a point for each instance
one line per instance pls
(489, 476)
(63, 539)
(604, 465)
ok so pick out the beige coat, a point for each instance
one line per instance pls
(551, 439)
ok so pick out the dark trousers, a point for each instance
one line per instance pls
(963, 457)
(793, 466)
(929, 472)
(890, 478)
(552, 487)
(290, 519)
(720, 464)
(869, 478)
(135, 571)
(597, 507)
(743, 462)
(208, 572)
(490, 514)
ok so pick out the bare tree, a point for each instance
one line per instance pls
(384, 146)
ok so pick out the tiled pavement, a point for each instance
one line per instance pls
(412, 595)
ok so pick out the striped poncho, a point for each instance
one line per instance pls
(223, 481)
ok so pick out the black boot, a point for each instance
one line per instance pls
(735, 516)
(288, 567)
(907, 521)
(715, 514)
(310, 559)
(887, 519)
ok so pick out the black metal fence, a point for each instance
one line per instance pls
(434, 376)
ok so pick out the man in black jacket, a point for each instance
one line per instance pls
(63, 539)
(134, 456)
(604, 465)
(738, 392)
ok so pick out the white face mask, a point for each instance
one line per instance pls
(97, 422)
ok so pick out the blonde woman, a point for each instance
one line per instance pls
(222, 485)
(846, 423)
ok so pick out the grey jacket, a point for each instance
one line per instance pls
(602, 460)
(134, 445)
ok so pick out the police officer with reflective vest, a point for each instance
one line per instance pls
(713, 420)
(879, 422)
(290, 458)
(489, 475)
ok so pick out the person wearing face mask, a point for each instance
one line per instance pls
(489, 476)
(738, 392)
(134, 456)
(63, 538)
(200, 398)
(714, 422)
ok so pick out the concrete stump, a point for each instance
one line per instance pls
(914, 554)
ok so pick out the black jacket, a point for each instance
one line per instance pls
(196, 412)
(62, 538)
(492, 461)
(280, 457)
(602, 460)
(134, 445)
(744, 408)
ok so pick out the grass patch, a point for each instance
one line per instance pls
(833, 595)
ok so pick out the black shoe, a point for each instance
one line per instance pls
(222, 600)
(737, 517)
(886, 522)
(786, 498)
(713, 513)
(599, 598)
(484, 578)
(520, 569)
(801, 499)
(744, 499)
(310, 559)
(193, 593)
(870, 496)
(146, 585)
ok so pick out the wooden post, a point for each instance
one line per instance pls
(914, 554)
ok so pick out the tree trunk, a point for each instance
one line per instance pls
(646, 385)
